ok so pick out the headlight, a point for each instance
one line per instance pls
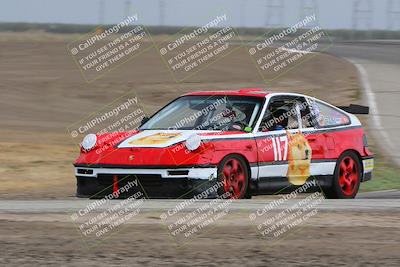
(193, 142)
(89, 142)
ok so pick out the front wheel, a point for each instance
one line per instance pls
(234, 175)
(347, 177)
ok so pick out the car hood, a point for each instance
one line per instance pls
(166, 138)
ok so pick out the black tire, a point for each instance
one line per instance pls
(238, 183)
(345, 184)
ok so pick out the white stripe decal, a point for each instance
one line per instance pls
(254, 173)
(285, 139)
(278, 141)
(274, 146)
(273, 170)
(322, 168)
(316, 168)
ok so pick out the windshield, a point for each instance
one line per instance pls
(227, 113)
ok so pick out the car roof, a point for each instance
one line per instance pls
(255, 92)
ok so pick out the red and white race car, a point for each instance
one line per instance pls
(250, 142)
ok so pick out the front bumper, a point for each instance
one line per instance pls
(153, 183)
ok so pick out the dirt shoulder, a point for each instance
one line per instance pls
(330, 238)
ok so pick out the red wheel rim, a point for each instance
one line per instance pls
(348, 176)
(234, 178)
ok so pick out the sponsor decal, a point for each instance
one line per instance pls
(155, 139)
(280, 146)
(368, 165)
(299, 154)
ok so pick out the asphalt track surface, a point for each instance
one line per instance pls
(378, 64)
(367, 201)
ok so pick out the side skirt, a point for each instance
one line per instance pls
(281, 185)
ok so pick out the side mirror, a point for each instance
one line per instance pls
(144, 120)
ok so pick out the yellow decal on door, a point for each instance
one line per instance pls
(299, 158)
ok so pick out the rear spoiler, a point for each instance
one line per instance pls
(355, 109)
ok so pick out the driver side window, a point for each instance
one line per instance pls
(282, 113)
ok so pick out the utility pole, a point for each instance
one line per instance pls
(362, 16)
(393, 15)
(101, 12)
(161, 4)
(274, 13)
(127, 9)
(309, 8)
(242, 13)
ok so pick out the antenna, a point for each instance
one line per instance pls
(274, 13)
(309, 8)
(101, 12)
(362, 14)
(393, 15)
(161, 4)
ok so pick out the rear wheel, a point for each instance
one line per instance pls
(347, 177)
(234, 174)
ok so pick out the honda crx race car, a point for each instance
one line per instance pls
(250, 142)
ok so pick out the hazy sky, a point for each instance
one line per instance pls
(251, 13)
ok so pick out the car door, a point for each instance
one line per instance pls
(273, 136)
(309, 127)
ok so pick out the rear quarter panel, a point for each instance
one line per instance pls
(344, 139)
